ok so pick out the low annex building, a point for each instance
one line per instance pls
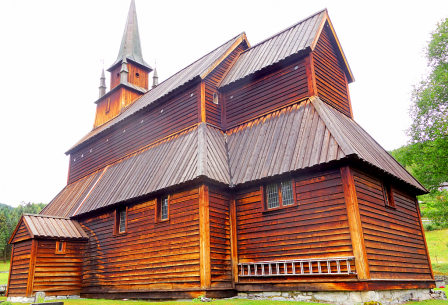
(243, 172)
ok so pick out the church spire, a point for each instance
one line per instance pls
(102, 86)
(130, 43)
(155, 78)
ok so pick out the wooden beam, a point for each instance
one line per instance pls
(355, 225)
(233, 241)
(204, 237)
(311, 77)
(10, 269)
(348, 97)
(30, 284)
(424, 237)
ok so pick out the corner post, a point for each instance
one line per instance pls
(309, 65)
(233, 241)
(204, 237)
(424, 237)
(201, 102)
(354, 222)
(30, 283)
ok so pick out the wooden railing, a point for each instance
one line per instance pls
(310, 266)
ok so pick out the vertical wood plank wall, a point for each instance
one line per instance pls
(58, 274)
(316, 227)
(178, 113)
(20, 264)
(221, 272)
(101, 116)
(270, 92)
(114, 79)
(150, 255)
(141, 80)
(393, 237)
(213, 111)
(330, 78)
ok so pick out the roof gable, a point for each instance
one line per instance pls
(300, 38)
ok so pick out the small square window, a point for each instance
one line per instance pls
(388, 195)
(121, 221)
(60, 247)
(162, 209)
(278, 194)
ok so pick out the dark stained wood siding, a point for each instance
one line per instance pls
(393, 237)
(22, 233)
(330, 78)
(150, 256)
(178, 113)
(213, 111)
(317, 227)
(221, 273)
(20, 268)
(58, 274)
(114, 78)
(270, 92)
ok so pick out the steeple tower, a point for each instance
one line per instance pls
(129, 74)
(155, 78)
(102, 86)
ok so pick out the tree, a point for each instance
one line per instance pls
(428, 151)
(3, 235)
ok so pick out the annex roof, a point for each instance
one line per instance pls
(45, 226)
(300, 37)
(198, 69)
(130, 43)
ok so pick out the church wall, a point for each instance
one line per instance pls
(101, 115)
(150, 256)
(213, 112)
(393, 237)
(20, 266)
(316, 226)
(267, 93)
(58, 274)
(141, 80)
(331, 82)
(221, 272)
(145, 128)
(21, 234)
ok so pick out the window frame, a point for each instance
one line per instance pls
(58, 242)
(264, 201)
(215, 98)
(117, 221)
(158, 209)
(108, 105)
(388, 195)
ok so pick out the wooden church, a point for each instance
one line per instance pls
(244, 171)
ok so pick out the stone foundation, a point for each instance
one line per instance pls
(385, 297)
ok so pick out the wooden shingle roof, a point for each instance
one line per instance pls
(44, 226)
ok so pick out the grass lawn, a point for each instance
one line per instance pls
(4, 266)
(438, 250)
(4, 278)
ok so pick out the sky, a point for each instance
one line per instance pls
(52, 53)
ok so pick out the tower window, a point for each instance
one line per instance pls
(60, 247)
(118, 75)
(137, 75)
(108, 106)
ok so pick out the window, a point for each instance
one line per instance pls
(162, 209)
(108, 105)
(388, 195)
(121, 221)
(215, 98)
(278, 194)
(118, 75)
(60, 247)
(137, 75)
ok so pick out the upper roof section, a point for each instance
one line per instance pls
(130, 43)
(299, 38)
(48, 227)
(197, 70)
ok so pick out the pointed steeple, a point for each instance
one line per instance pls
(131, 39)
(155, 78)
(102, 86)
(124, 70)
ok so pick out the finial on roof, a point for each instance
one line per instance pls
(102, 84)
(131, 38)
(155, 77)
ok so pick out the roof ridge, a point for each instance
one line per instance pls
(48, 216)
(282, 31)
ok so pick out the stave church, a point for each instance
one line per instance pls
(244, 172)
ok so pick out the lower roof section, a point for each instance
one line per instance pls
(300, 136)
